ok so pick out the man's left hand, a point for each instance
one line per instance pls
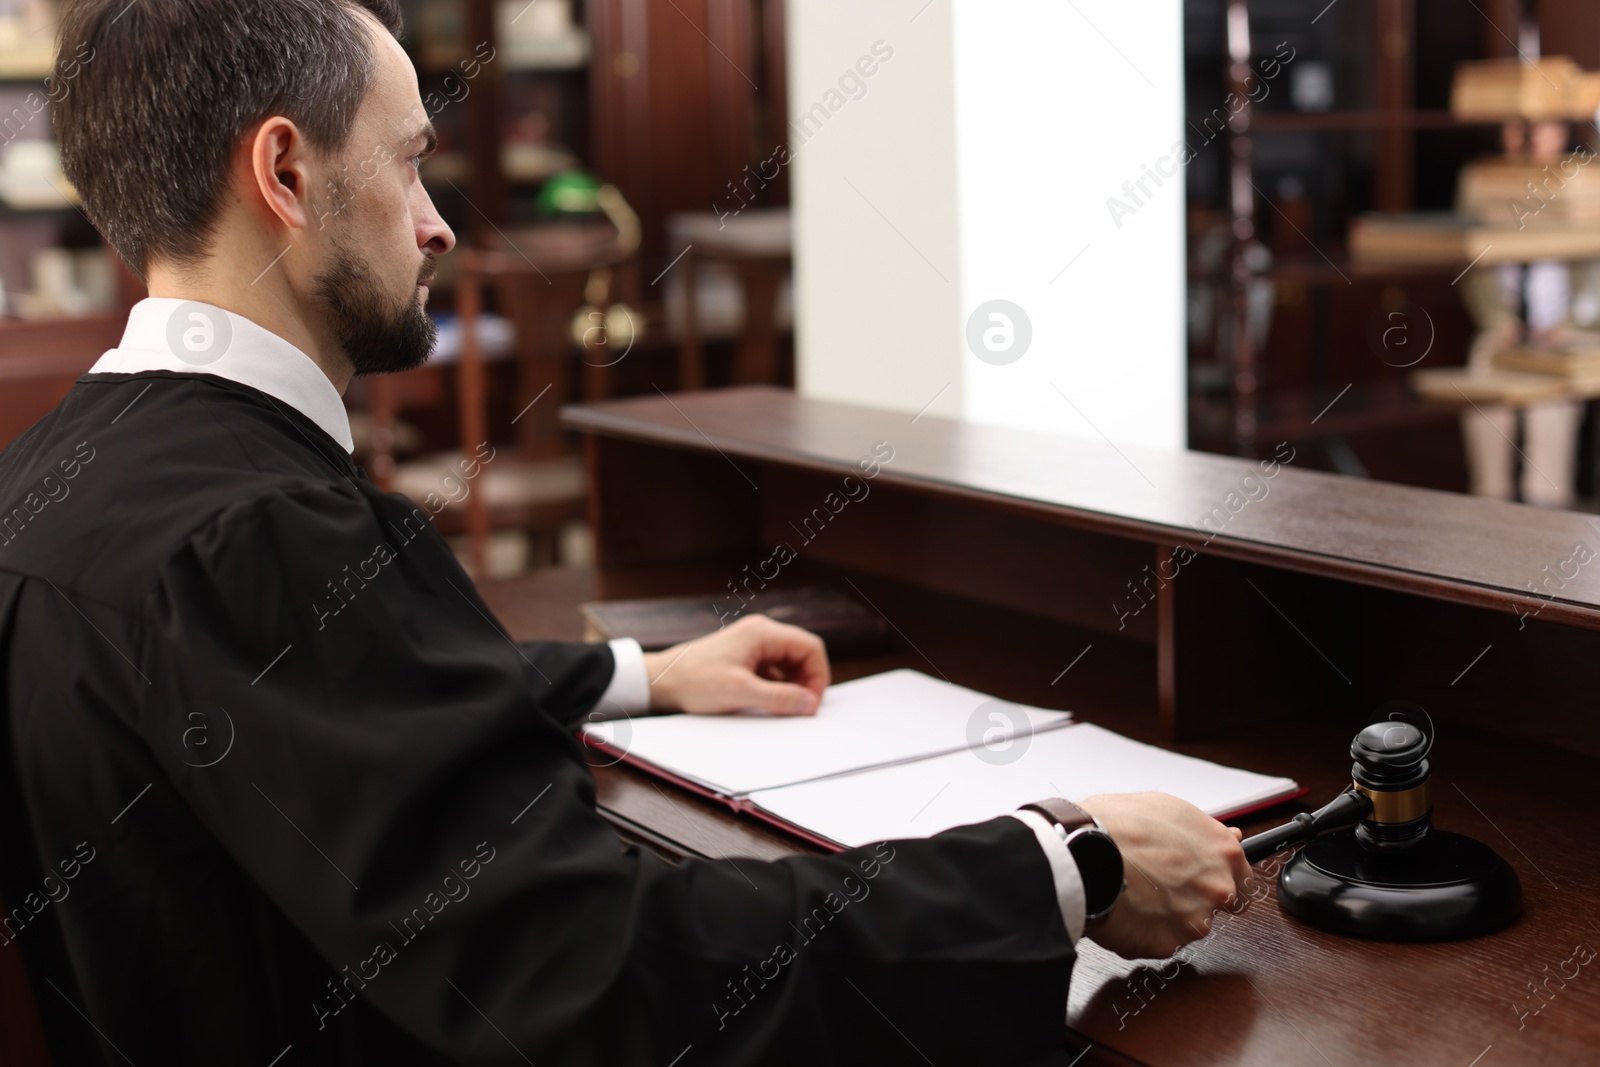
(753, 663)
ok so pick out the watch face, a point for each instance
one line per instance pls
(1100, 865)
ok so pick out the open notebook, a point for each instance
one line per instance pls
(905, 755)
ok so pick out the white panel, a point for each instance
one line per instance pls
(1058, 104)
(873, 183)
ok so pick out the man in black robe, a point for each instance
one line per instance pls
(274, 787)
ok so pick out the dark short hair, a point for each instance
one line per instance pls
(155, 95)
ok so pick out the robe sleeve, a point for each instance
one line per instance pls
(567, 679)
(403, 796)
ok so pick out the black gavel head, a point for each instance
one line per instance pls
(1393, 876)
(1391, 771)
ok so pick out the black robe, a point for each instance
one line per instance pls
(275, 783)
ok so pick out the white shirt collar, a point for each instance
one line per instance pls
(164, 333)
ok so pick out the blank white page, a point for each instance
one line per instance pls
(920, 799)
(885, 718)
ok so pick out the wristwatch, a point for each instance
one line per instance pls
(1098, 858)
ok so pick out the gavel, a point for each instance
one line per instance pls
(1374, 866)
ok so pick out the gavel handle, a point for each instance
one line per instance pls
(1347, 809)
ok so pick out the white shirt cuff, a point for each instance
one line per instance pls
(629, 690)
(1063, 868)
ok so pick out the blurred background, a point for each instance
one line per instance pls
(1382, 249)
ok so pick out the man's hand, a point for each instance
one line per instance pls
(754, 663)
(1181, 866)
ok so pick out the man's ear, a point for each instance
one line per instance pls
(281, 172)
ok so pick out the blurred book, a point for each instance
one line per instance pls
(1486, 385)
(1441, 238)
(1512, 192)
(1503, 90)
(844, 623)
(1412, 237)
(1572, 357)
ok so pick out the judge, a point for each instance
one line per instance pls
(275, 788)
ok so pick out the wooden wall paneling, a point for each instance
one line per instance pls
(1002, 651)
(651, 505)
(735, 78)
(1244, 644)
(607, 66)
(672, 166)
(1227, 657)
(620, 114)
(485, 130)
(1502, 21)
(1396, 164)
(674, 95)
(775, 64)
(1051, 571)
(1473, 668)
(1167, 641)
(1571, 28)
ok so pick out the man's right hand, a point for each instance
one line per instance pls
(1181, 866)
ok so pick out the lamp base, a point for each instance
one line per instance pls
(1440, 887)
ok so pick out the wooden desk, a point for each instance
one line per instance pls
(997, 556)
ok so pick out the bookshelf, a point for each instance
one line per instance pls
(1286, 176)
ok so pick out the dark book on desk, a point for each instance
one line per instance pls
(845, 624)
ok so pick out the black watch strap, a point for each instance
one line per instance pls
(1098, 858)
(1062, 812)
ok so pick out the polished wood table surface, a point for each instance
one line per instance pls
(1262, 989)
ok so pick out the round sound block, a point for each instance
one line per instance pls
(1440, 887)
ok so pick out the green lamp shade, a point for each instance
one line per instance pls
(569, 193)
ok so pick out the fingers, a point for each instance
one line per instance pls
(779, 698)
(1239, 867)
(801, 654)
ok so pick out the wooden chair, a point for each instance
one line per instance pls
(758, 246)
